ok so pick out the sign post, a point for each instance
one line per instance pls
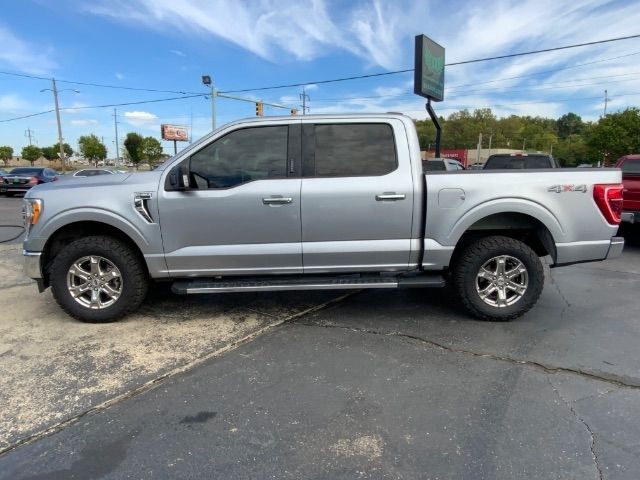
(428, 78)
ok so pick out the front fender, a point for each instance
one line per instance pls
(37, 239)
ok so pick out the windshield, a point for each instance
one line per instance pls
(26, 171)
(433, 165)
(631, 166)
(515, 162)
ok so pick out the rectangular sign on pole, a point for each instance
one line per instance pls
(429, 69)
(177, 133)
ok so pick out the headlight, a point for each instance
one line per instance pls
(31, 211)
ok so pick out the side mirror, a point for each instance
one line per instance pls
(179, 178)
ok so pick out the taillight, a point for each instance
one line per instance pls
(608, 197)
(33, 181)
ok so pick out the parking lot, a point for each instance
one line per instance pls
(371, 384)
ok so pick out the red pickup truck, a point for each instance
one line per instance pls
(630, 165)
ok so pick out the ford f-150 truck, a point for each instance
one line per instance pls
(320, 202)
(630, 165)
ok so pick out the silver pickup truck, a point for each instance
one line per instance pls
(318, 202)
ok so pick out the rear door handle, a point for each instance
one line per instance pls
(277, 200)
(390, 197)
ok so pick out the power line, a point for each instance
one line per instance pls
(25, 116)
(291, 85)
(85, 107)
(540, 72)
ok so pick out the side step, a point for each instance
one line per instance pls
(205, 285)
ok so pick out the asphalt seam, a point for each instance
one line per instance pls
(156, 382)
(592, 436)
(610, 379)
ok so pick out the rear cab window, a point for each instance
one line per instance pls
(631, 166)
(507, 162)
(348, 150)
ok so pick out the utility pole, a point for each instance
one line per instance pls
(490, 138)
(115, 122)
(479, 147)
(304, 97)
(60, 145)
(28, 133)
(606, 100)
(523, 142)
(208, 81)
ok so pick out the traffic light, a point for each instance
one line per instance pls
(259, 109)
(294, 112)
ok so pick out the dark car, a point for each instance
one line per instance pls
(21, 179)
(509, 161)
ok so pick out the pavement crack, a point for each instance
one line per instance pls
(611, 379)
(592, 445)
(161, 379)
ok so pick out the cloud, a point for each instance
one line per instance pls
(84, 122)
(304, 29)
(119, 76)
(12, 103)
(75, 107)
(178, 53)
(20, 55)
(140, 119)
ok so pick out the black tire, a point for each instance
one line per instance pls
(474, 256)
(133, 273)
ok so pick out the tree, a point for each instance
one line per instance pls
(68, 151)
(50, 153)
(92, 148)
(6, 154)
(616, 134)
(569, 124)
(133, 145)
(151, 150)
(31, 153)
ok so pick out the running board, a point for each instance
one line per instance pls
(204, 285)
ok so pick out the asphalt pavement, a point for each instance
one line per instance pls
(11, 220)
(379, 384)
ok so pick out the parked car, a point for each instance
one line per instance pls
(92, 172)
(508, 161)
(441, 164)
(21, 179)
(3, 172)
(630, 165)
(318, 202)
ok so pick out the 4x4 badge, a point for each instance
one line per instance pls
(567, 188)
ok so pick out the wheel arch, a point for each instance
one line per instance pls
(517, 225)
(78, 229)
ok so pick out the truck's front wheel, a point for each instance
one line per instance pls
(98, 279)
(498, 278)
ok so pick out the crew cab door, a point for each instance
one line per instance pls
(357, 196)
(241, 212)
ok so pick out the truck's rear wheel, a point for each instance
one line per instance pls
(498, 278)
(98, 279)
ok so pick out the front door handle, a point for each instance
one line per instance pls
(390, 197)
(277, 200)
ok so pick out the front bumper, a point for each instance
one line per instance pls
(615, 248)
(32, 264)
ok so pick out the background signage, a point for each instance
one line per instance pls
(429, 69)
(177, 133)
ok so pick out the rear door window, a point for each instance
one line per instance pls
(350, 150)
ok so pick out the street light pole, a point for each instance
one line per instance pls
(214, 94)
(55, 99)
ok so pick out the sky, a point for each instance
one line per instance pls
(169, 44)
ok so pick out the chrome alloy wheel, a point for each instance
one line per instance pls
(94, 282)
(502, 281)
